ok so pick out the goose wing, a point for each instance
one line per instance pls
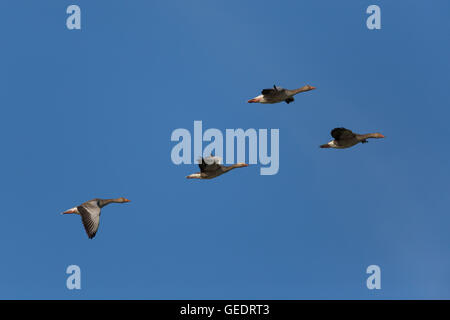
(90, 216)
(272, 91)
(209, 164)
(342, 134)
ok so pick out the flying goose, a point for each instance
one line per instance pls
(278, 94)
(90, 213)
(344, 138)
(211, 167)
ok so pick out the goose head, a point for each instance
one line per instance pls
(309, 88)
(240, 165)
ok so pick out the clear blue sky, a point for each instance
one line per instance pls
(89, 113)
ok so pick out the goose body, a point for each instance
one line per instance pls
(90, 213)
(278, 94)
(211, 167)
(344, 138)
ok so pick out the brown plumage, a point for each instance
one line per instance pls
(90, 213)
(344, 138)
(278, 94)
(210, 167)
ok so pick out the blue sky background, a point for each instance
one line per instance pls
(89, 113)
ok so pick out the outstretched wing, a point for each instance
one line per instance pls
(272, 91)
(209, 164)
(90, 216)
(342, 134)
(268, 92)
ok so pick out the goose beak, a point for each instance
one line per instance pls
(126, 200)
(68, 212)
(252, 100)
(381, 136)
(311, 88)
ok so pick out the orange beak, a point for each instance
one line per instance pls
(252, 100)
(312, 88)
(126, 200)
(68, 212)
